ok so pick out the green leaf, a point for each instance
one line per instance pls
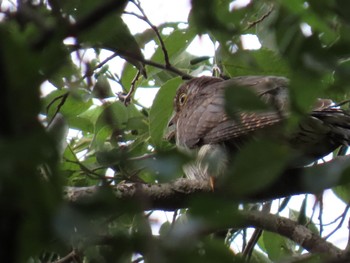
(216, 251)
(301, 97)
(263, 29)
(102, 88)
(166, 166)
(69, 103)
(128, 74)
(242, 99)
(216, 211)
(91, 114)
(317, 16)
(305, 54)
(58, 129)
(198, 60)
(165, 228)
(277, 247)
(113, 34)
(69, 71)
(215, 17)
(302, 218)
(161, 111)
(108, 157)
(101, 137)
(70, 163)
(343, 9)
(245, 178)
(176, 43)
(253, 62)
(78, 9)
(81, 124)
(322, 176)
(342, 192)
(114, 115)
(259, 257)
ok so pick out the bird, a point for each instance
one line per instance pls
(201, 125)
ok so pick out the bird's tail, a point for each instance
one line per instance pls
(337, 122)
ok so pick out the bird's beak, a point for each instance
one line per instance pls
(170, 130)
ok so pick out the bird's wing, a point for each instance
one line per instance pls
(206, 121)
(247, 123)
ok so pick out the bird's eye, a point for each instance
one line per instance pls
(182, 98)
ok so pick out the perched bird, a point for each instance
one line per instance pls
(201, 124)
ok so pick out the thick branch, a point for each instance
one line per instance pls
(167, 196)
(170, 196)
(175, 195)
(279, 225)
(292, 230)
(269, 222)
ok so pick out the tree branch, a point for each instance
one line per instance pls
(248, 250)
(166, 196)
(156, 31)
(175, 195)
(292, 230)
(83, 24)
(169, 68)
(269, 222)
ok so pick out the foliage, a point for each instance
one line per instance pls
(43, 43)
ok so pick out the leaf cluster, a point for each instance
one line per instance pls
(64, 125)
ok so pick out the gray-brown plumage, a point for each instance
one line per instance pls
(201, 122)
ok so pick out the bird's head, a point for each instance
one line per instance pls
(184, 95)
(187, 91)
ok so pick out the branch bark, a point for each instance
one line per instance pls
(175, 195)
(292, 230)
(166, 196)
(288, 228)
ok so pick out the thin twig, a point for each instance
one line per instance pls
(144, 61)
(127, 98)
(321, 213)
(89, 173)
(347, 248)
(244, 234)
(93, 18)
(148, 214)
(142, 157)
(247, 252)
(100, 65)
(318, 200)
(174, 219)
(138, 260)
(70, 257)
(340, 103)
(334, 221)
(155, 29)
(264, 16)
(167, 68)
(63, 98)
(342, 216)
(313, 213)
(284, 204)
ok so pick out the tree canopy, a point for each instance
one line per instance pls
(83, 168)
